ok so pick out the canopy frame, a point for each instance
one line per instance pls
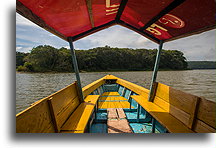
(154, 75)
(76, 70)
(27, 13)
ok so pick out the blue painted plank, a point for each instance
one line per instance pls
(99, 128)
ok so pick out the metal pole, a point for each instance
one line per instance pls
(74, 60)
(153, 125)
(154, 76)
(138, 112)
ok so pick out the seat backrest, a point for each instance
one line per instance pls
(182, 105)
(49, 114)
(206, 115)
(179, 104)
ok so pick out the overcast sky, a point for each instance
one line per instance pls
(195, 48)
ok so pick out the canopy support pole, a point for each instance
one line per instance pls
(154, 76)
(76, 70)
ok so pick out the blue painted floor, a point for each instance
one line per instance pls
(98, 128)
(102, 115)
(133, 115)
(142, 127)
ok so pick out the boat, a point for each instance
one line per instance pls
(112, 104)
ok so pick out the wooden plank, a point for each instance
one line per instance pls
(118, 105)
(179, 100)
(116, 121)
(125, 104)
(112, 113)
(182, 100)
(91, 87)
(70, 108)
(53, 116)
(80, 117)
(163, 92)
(118, 126)
(75, 131)
(35, 119)
(172, 124)
(162, 103)
(26, 122)
(102, 105)
(110, 94)
(103, 98)
(167, 120)
(202, 127)
(177, 113)
(121, 113)
(180, 115)
(207, 112)
(133, 87)
(64, 97)
(193, 114)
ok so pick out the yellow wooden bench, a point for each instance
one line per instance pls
(172, 124)
(78, 121)
(110, 94)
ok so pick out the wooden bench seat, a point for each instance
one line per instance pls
(78, 121)
(114, 104)
(172, 124)
(112, 98)
(110, 94)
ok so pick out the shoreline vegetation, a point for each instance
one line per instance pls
(48, 59)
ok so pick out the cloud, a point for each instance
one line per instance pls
(23, 49)
(115, 36)
(23, 21)
(196, 47)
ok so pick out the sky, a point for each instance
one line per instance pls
(199, 47)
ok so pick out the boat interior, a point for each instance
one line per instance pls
(114, 105)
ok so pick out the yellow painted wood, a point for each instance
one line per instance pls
(102, 104)
(76, 131)
(110, 94)
(179, 99)
(91, 87)
(121, 98)
(103, 98)
(167, 120)
(183, 104)
(135, 88)
(37, 118)
(53, 115)
(114, 104)
(162, 103)
(168, 102)
(176, 112)
(79, 119)
(163, 92)
(113, 98)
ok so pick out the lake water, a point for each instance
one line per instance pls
(31, 87)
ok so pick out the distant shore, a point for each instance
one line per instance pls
(53, 72)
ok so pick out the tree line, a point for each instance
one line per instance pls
(202, 64)
(49, 59)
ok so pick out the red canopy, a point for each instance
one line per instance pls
(155, 19)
